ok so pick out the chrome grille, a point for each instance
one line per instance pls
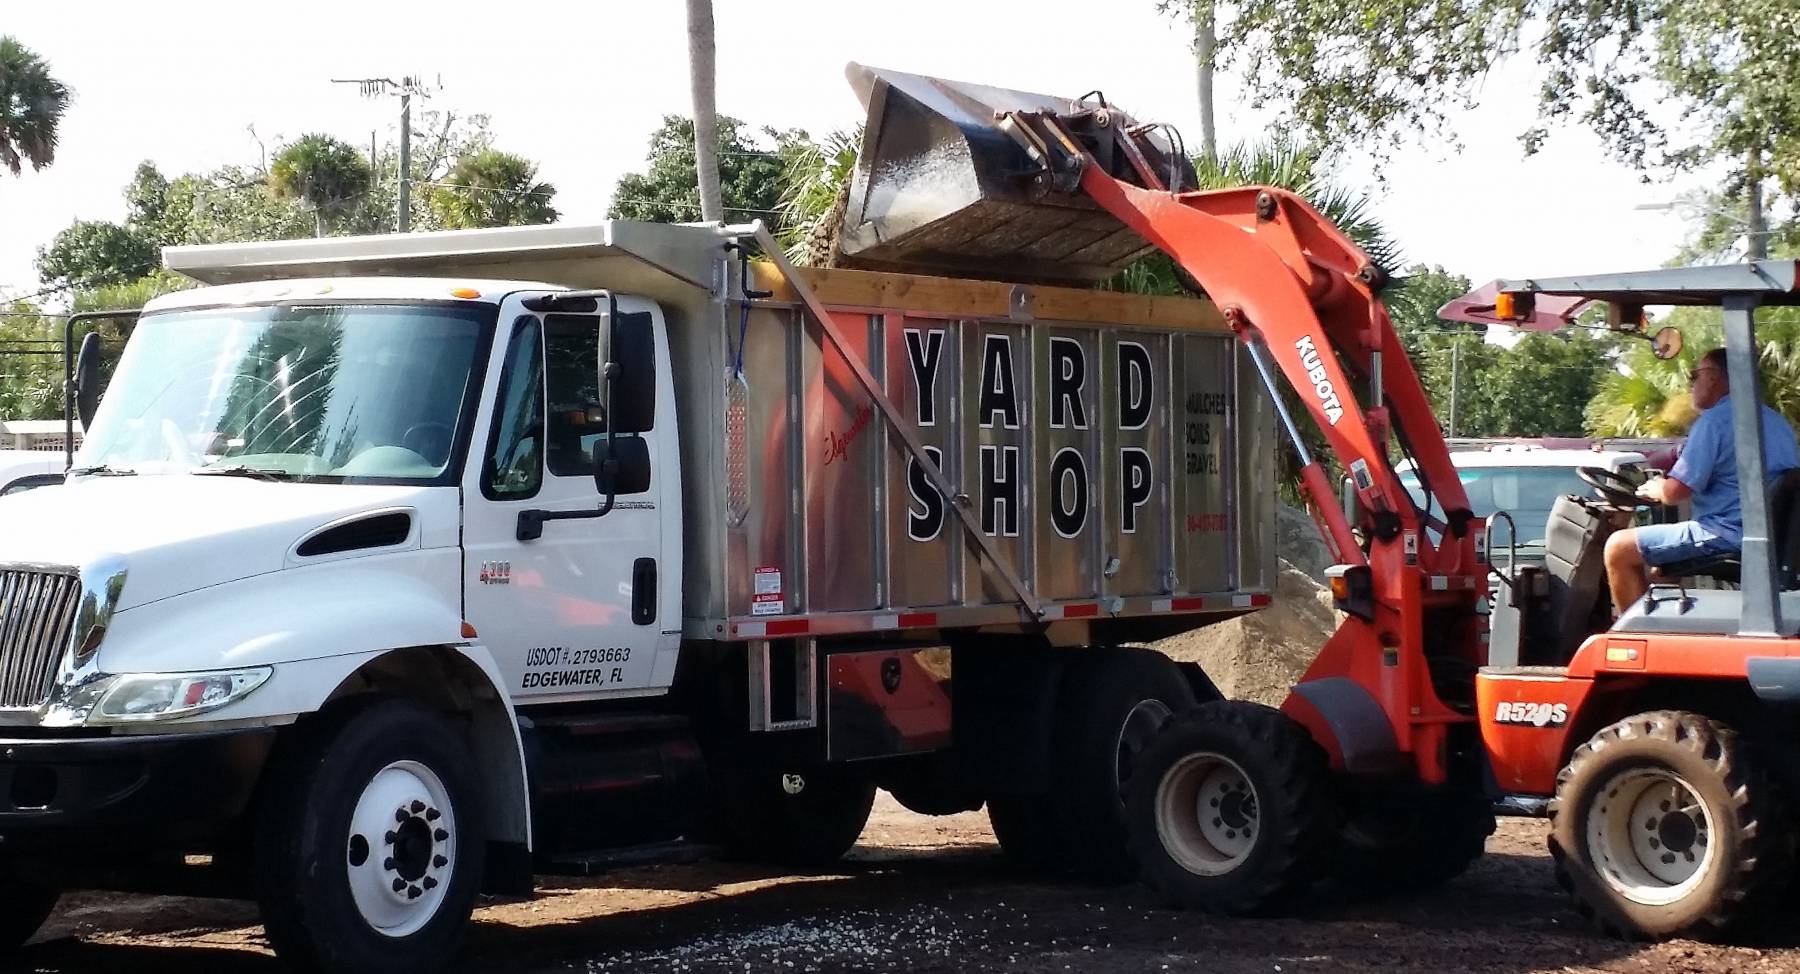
(37, 611)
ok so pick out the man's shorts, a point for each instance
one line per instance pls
(1666, 544)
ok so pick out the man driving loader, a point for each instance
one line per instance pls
(1706, 472)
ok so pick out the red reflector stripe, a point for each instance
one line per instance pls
(1187, 605)
(915, 620)
(1081, 611)
(1259, 600)
(788, 627)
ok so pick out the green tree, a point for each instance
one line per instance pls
(750, 174)
(96, 251)
(328, 175)
(1375, 72)
(32, 103)
(491, 188)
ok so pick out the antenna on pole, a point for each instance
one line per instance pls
(405, 88)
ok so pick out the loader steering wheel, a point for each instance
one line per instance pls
(1615, 490)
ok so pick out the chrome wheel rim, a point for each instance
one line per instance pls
(400, 852)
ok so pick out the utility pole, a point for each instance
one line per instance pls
(1455, 377)
(1756, 243)
(406, 88)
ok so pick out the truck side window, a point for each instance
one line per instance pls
(514, 466)
(577, 414)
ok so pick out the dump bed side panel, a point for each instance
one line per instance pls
(1101, 451)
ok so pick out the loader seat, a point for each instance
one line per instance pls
(1784, 530)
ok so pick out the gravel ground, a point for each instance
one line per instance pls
(931, 895)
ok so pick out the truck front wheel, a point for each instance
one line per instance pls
(368, 849)
(1663, 825)
(24, 907)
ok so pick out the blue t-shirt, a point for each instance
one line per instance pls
(1708, 466)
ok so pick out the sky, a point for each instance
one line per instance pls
(193, 84)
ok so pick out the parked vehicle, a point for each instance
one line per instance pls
(22, 470)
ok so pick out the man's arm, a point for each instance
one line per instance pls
(1665, 490)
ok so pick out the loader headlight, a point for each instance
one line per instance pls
(165, 696)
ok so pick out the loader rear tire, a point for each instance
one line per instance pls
(1230, 810)
(1410, 842)
(1112, 705)
(1665, 825)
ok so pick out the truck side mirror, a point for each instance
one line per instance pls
(87, 379)
(629, 469)
(633, 351)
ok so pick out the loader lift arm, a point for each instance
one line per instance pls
(1304, 298)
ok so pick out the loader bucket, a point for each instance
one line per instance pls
(941, 188)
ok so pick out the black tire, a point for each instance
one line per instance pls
(1026, 828)
(806, 818)
(1408, 842)
(24, 906)
(1112, 704)
(308, 858)
(1739, 848)
(1271, 787)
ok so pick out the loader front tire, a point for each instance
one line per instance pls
(1230, 810)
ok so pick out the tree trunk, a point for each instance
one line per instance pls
(701, 56)
(1205, 43)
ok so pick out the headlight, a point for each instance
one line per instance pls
(165, 696)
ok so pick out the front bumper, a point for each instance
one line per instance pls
(133, 789)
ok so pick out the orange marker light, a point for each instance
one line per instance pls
(1505, 306)
(464, 292)
(468, 631)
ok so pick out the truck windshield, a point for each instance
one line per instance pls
(1526, 493)
(338, 393)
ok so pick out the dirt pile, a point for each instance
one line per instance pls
(1261, 655)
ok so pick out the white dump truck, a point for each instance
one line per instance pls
(394, 569)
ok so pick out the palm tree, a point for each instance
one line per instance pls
(815, 183)
(701, 60)
(31, 108)
(491, 188)
(325, 173)
(1285, 164)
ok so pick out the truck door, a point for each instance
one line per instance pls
(563, 595)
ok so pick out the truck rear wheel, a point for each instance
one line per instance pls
(1025, 826)
(803, 817)
(1663, 825)
(1229, 809)
(1112, 705)
(368, 850)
